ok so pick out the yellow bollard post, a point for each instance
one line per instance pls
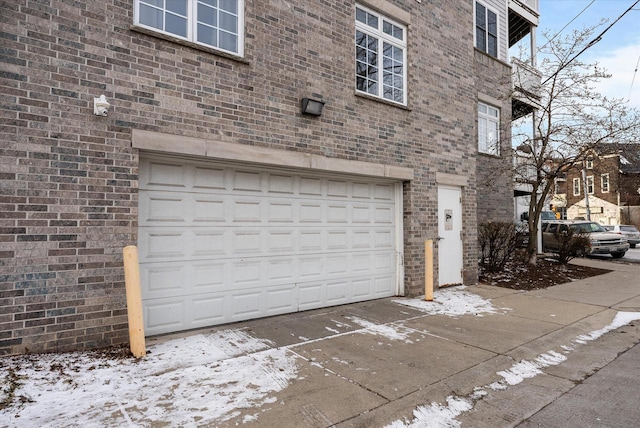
(134, 300)
(428, 270)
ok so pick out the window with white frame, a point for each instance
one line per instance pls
(589, 184)
(589, 163)
(213, 23)
(605, 183)
(488, 129)
(576, 187)
(381, 56)
(486, 30)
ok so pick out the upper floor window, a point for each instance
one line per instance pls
(381, 56)
(589, 184)
(214, 23)
(576, 187)
(589, 163)
(488, 129)
(486, 30)
(605, 183)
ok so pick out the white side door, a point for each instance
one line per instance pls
(450, 235)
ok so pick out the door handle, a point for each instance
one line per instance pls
(439, 238)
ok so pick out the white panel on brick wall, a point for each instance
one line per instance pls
(220, 242)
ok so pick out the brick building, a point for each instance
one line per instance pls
(611, 180)
(241, 204)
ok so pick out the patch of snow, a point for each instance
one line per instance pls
(193, 380)
(436, 415)
(390, 331)
(621, 319)
(453, 302)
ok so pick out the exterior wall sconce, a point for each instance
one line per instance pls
(311, 107)
(101, 106)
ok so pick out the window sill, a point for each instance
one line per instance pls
(490, 155)
(187, 43)
(381, 100)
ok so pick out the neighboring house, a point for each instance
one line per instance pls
(610, 180)
(242, 204)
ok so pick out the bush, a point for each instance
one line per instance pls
(498, 241)
(571, 244)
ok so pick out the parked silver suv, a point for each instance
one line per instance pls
(600, 241)
(629, 231)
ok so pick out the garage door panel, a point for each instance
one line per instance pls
(221, 242)
(162, 280)
(311, 295)
(164, 315)
(208, 210)
(245, 305)
(161, 244)
(208, 310)
(280, 212)
(207, 179)
(248, 181)
(163, 173)
(281, 300)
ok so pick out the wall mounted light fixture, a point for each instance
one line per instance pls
(311, 107)
(101, 106)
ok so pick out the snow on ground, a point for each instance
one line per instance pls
(201, 379)
(439, 415)
(453, 302)
(73, 389)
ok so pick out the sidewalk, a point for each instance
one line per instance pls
(478, 356)
(357, 378)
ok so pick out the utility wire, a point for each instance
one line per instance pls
(591, 43)
(569, 23)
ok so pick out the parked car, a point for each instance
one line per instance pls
(600, 241)
(629, 231)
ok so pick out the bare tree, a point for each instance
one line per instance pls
(571, 119)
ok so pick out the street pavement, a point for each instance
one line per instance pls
(548, 357)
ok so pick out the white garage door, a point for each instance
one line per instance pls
(221, 242)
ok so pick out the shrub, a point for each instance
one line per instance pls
(498, 241)
(571, 244)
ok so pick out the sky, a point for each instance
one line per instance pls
(205, 379)
(618, 51)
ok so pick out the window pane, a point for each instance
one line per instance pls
(492, 49)
(361, 69)
(177, 6)
(157, 3)
(387, 27)
(361, 54)
(228, 41)
(480, 40)
(212, 3)
(228, 22)
(176, 25)
(229, 6)
(397, 54)
(398, 32)
(482, 108)
(361, 39)
(207, 15)
(492, 26)
(207, 35)
(480, 16)
(151, 17)
(372, 20)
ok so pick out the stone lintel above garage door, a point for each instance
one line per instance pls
(177, 144)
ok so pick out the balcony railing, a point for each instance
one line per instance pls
(525, 83)
(533, 5)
